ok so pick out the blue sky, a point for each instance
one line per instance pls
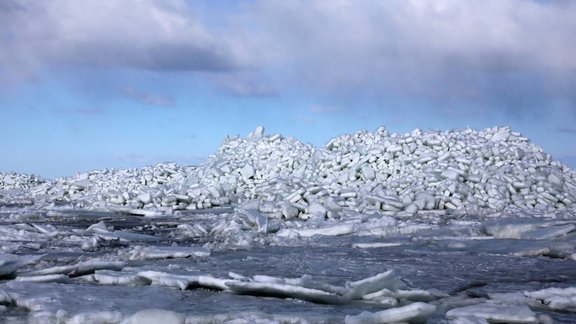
(87, 84)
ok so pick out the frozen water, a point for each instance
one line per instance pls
(467, 226)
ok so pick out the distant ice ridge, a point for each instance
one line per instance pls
(468, 170)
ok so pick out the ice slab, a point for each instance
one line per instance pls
(385, 280)
(413, 313)
(526, 229)
(154, 316)
(184, 282)
(168, 252)
(107, 277)
(562, 299)
(44, 279)
(9, 263)
(284, 291)
(495, 313)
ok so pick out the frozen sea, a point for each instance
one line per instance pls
(451, 264)
(457, 226)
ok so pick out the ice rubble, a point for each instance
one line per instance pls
(367, 183)
(464, 169)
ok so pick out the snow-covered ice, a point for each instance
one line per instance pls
(462, 226)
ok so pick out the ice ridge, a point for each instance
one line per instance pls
(471, 170)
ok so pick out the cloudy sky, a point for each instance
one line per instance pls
(92, 84)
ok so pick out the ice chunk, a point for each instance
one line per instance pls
(183, 282)
(528, 229)
(90, 266)
(413, 313)
(375, 245)
(96, 317)
(495, 313)
(416, 295)
(166, 252)
(358, 289)
(562, 299)
(254, 217)
(154, 316)
(288, 211)
(44, 278)
(368, 173)
(145, 197)
(335, 230)
(9, 263)
(284, 291)
(106, 277)
(247, 171)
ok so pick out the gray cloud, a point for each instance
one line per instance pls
(242, 86)
(512, 54)
(147, 98)
(141, 34)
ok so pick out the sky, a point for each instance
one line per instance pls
(94, 84)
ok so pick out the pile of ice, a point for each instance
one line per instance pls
(471, 170)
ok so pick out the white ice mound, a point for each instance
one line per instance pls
(467, 169)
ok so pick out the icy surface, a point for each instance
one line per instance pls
(460, 226)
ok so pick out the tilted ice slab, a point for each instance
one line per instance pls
(472, 170)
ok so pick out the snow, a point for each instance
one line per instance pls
(462, 226)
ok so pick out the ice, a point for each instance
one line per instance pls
(483, 215)
(184, 282)
(284, 291)
(154, 316)
(102, 231)
(385, 280)
(555, 298)
(523, 229)
(425, 170)
(495, 313)
(44, 278)
(92, 265)
(413, 313)
(96, 317)
(328, 231)
(107, 277)
(165, 252)
(9, 263)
